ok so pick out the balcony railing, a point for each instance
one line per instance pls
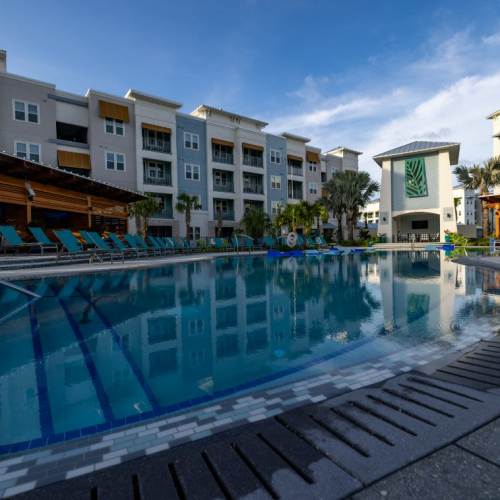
(295, 171)
(166, 213)
(221, 157)
(294, 195)
(225, 214)
(253, 189)
(157, 145)
(225, 188)
(253, 161)
(155, 181)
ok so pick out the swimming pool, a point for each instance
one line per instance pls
(83, 354)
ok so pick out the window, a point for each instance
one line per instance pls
(26, 112)
(157, 172)
(28, 151)
(323, 176)
(114, 127)
(195, 327)
(191, 141)
(192, 171)
(275, 207)
(275, 156)
(71, 133)
(419, 224)
(115, 161)
(194, 233)
(313, 167)
(276, 181)
(313, 188)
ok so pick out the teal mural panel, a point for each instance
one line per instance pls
(415, 178)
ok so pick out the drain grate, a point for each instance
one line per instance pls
(328, 450)
(479, 368)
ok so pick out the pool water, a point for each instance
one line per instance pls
(94, 352)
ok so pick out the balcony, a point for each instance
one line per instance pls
(224, 188)
(295, 190)
(223, 209)
(253, 161)
(155, 181)
(293, 170)
(223, 157)
(254, 189)
(157, 145)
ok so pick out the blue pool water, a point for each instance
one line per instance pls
(93, 352)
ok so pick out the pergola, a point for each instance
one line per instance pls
(493, 202)
(26, 186)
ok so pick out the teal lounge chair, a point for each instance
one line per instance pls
(118, 243)
(268, 242)
(154, 243)
(221, 244)
(141, 242)
(102, 245)
(132, 242)
(10, 239)
(40, 236)
(73, 247)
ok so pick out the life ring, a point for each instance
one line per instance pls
(291, 239)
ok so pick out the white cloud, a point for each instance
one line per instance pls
(444, 95)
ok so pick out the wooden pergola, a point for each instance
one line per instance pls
(493, 202)
(26, 186)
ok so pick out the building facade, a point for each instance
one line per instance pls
(148, 144)
(467, 206)
(416, 199)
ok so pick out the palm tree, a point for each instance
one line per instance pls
(256, 222)
(186, 204)
(143, 210)
(358, 191)
(333, 200)
(308, 212)
(482, 178)
(292, 216)
(321, 214)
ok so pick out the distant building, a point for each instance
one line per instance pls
(467, 206)
(371, 212)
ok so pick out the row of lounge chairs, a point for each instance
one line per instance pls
(97, 248)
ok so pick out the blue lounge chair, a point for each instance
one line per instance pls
(154, 243)
(102, 245)
(74, 247)
(132, 242)
(141, 242)
(221, 244)
(118, 243)
(40, 236)
(10, 239)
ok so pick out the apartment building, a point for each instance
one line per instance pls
(147, 143)
(467, 206)
(371, 212)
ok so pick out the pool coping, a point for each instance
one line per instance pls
(29, 469)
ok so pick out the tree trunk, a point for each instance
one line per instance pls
(486, 228)
(350, 225)
(340, 236)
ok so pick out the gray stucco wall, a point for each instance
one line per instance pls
(100, 142)
(12, 130)
(278, 143)
(399, 199)
(184, 155)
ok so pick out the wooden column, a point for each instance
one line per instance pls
(497, 223)
(89, 215)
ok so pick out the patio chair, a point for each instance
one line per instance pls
(95, 238)
(155, 244)
(40, 236)
(118, 243)
(10, 239)
(221, 244)
(139, 244)
(74, 248)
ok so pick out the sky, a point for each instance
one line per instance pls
(369, 75)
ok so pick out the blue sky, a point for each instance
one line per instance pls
(370, 75)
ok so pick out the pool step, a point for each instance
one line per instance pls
(328, 450)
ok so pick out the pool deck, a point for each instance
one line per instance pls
(485, 261)
(430, 433)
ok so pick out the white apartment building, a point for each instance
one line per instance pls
(467, 206)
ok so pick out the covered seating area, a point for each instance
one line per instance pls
(416, 227)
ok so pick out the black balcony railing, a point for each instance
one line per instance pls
(222, 157)
(225, 188)
(158, 145)
(253, 161)
(158, 181)
(253, 189)
(295, 170)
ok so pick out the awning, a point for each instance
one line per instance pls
(253, 146)
(112, 110)
(73, 160)
(312, 156)
(295, 158)
(221, 142)
(157, 128)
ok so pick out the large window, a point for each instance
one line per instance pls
(194, 233)
(276, 181)
(275, 156)
(71, 133)
(27, 150)
(191, 141)
(114, 127)
(313, 188)
(222, 153)
(275, 207)
(115, 161)
(252, 157)
(192, 171)
(26, 112)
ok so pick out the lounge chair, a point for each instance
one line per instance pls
(154, 243)
(268, 242)
(142, 243)
(40, 236)
(118, 243)
(74, 247)
(10, 239)
(221, 244)
(102, 245)
(132, 242)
